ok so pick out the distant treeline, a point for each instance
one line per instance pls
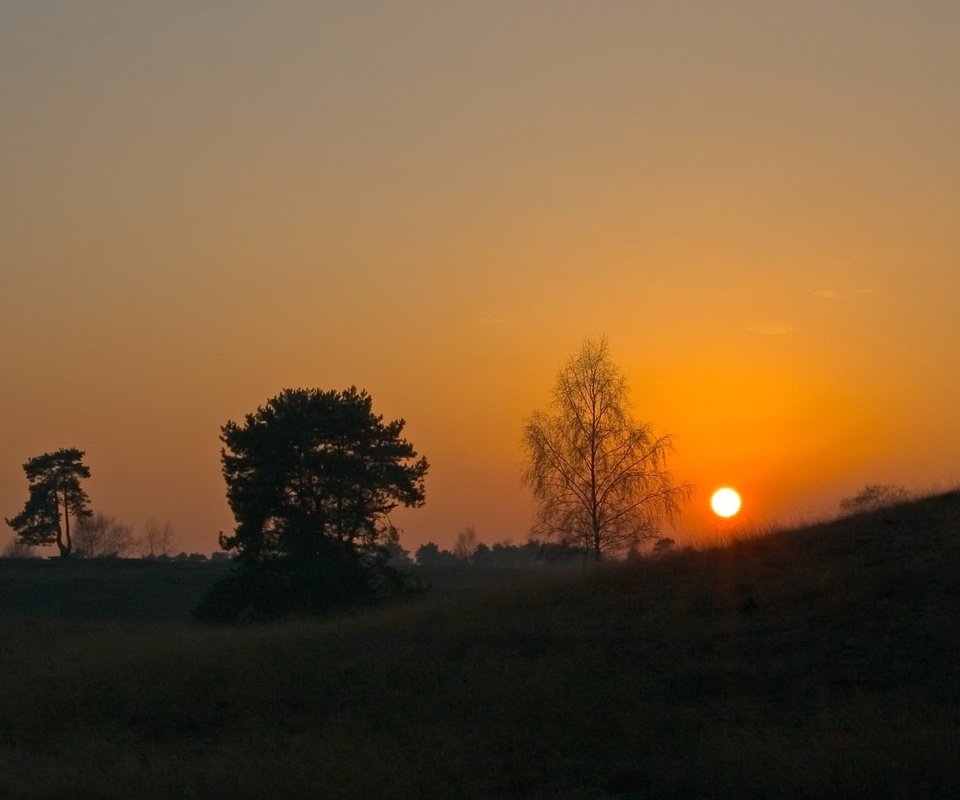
(501, 554)
(16, 550)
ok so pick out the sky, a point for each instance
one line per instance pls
(205, 202)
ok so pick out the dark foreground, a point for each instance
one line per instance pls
(820, 663)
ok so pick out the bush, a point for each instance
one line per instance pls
(19, 549)
(873, 497)
(288, 586)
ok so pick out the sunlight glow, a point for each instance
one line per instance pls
(725, 502)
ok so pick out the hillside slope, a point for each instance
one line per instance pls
(815, 663)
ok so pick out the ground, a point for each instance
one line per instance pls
(814, 663)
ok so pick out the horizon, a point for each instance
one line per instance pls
(205, 205)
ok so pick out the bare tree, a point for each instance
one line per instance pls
(600, 477)
(158, 539)
(18, 548)
(466, 544)
(102, 536)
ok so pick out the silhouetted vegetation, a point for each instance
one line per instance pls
(814, 663)
(103, 536)
(158, 539)
(872, 497)
(466, 544)
(54, 495)
(500, 555)
(600, 477)
(430, 554)
(310, 478)
(17, 548)
(395, 554)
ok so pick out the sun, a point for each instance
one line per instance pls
(725, 502)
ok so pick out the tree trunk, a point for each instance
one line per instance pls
(64, 541)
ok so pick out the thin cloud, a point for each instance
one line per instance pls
(491, 320)
(829, 294)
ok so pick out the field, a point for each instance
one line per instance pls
(816, 663)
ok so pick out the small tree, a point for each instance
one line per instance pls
(600, 477)
(17, 548)
(429, 554)
(158, 539)
(872, 497)
(394, 553)
(311, 477)
(664, 545)
(102, 536)
(54, 496)
(466, 544)
(482, 555)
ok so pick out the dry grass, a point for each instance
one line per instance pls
(816, 663)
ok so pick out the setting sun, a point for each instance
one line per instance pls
(725, 502)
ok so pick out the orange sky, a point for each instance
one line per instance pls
(204, 203)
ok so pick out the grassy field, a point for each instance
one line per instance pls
(105, 590)
(816, 663)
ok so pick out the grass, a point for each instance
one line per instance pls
(814, 663)
(105, 590)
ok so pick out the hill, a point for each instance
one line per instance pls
(813, 663)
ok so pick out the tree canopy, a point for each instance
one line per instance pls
(874, 496)
(54, 495)
(311, 477)
(600, 477)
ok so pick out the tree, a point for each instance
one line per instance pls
(874, 496)
(54, 495)
(430, 555)
(466, 544)
(482, 555)
(311, 477)
(103, 536)
(664, 545)
(159, 539)
(17, 548)
(393, 551)
(599, 477)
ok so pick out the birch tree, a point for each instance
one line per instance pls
(600, 477)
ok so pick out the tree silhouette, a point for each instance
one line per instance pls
(54, 495)
(103, 536)
(158, 539)
(466, 544)
(431, 555)
(599, 476)
(874, 496)
(311, 477)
